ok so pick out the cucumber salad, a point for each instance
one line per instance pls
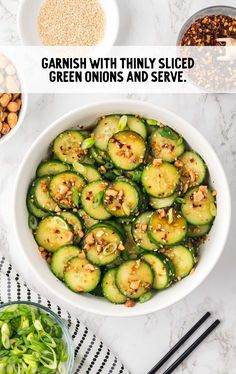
(120, 211)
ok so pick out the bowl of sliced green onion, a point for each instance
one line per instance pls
(33, 339)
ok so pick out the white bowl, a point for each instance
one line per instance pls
(28, 30)
(210, 251)
(22, 114)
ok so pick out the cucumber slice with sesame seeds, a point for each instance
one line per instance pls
(127, 150)
(167, 228)
(53, 232)
(121, 198)
(102, 243)
(199, 207)
(160, 180)
(136, 124)
(43, 200)
(73, 220)
(197, 231)
(32, 207)
(81, 276)
(182, 258)
(63, 188)
(166, 144)
(163, 271)
(67, 146)
(90, 173)
(109, 288)
(92, 200)
(105, 129)
(134, 278)
(61, 257)
(139, 231)
(96, 156)
(193, 170)
(51, 167)
(165, 202)
(87, 220)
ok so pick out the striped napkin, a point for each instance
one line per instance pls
(91, 355)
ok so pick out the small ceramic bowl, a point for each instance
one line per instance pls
(4, 139)
(28, 14)
(66, 335)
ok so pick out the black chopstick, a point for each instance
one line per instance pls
(179, 343)
(192, 347)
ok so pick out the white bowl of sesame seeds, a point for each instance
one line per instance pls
(68, 22)
(210, 251)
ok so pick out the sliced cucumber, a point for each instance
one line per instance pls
(102, 243)
(199, 207)
(42, 197)
(81, 276)
(134, 278)
(163, 271)
(73, 220)
(165, 202)
(132, 250)
(136, 124)
(109, 288)
(51, 167)
(182, 258)
(61, 257)
(127, 150)
(193, 170)
(90, 173)
(92, 200)
(160, 180)
(139, 231)
(32, 207)
(87, 220)
(119, 228)
(121, 198)
(96, 156)
(53, 232)
(105, 129)
(197, 231)
(166, 144)
(67, 146)
(167, 229)
(65, 189)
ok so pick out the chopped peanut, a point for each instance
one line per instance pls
(90, 239)
(121, 247)
(129, 304)
(179, 164)
(157, 161)
(89, 267)
(161, 213)
(112, 193)
(135, 285)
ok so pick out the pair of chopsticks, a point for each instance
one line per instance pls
(190, 349)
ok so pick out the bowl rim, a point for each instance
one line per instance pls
(197, 13)
(134, 311)
(61, 323)
(112, 41)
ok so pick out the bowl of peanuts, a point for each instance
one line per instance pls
(13, 103)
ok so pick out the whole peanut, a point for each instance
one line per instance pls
(5, 128)
(5, 99)
(12, 119)
(14, 106)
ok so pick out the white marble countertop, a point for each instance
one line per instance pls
(141, 341)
